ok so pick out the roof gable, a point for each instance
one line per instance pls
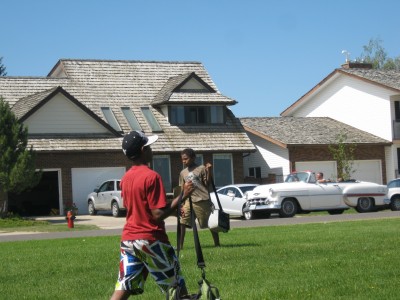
(189, 88)
(55, 111)
(387, 79)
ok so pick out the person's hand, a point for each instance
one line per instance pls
(208, 167)
(188, 189)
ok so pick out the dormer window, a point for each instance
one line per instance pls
(109, 115)
(196, 115)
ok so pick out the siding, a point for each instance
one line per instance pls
(60, 115)
(353, 102)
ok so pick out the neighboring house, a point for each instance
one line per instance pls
(361, 97)
(286, 144)
(78, 114)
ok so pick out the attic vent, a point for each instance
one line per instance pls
(109, 115)
(193, 86)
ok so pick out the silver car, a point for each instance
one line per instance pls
(106, 197)
(232, 198)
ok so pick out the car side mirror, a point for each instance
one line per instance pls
(96, 190)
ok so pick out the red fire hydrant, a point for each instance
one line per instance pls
(70, 218)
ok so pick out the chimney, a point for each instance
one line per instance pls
(356, 65)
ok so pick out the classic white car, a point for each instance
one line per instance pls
(302, 193)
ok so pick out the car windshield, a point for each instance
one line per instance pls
(247, 188)
(300, 176)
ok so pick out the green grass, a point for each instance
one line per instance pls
(16, 223)
(343, 260)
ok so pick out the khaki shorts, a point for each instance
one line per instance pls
(202, 211)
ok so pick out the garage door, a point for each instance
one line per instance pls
(326, 167)
(368, 170)
(85, 180)
(364, 170)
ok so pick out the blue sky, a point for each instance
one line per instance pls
(264, 54)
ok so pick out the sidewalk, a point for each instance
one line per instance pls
(103, 221)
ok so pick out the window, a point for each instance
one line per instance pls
(151, 119)
(255, 172)
(161, 164)
(131, 118)
(397, 111)
(223, 170)
(196, 115)
(109, 115)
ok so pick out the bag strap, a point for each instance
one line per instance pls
(199, 253)
(216, 194)
(178, 229)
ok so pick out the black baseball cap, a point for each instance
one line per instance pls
(134, 141)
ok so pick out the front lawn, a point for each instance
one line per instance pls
(342, 260)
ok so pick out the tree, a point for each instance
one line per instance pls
(17, 163)
(2, 68)
(375, 54)
(343, 153)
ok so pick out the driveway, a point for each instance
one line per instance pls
(113, 226)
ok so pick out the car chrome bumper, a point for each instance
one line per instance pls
(262, 207)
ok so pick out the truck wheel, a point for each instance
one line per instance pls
(365, 204)
(288, 208)
(395, 203)
(92, 210)
(116, 212)
(248, 215)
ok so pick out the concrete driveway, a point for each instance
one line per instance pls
(113, 226)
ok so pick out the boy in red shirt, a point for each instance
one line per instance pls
(145, 247)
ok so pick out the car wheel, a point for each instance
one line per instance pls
(365, 204)
(335, 211)
(395, 203)
(116, 212)
(288, 208)
(92, 210)
(248, 215)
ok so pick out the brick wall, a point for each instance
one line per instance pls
(66, 161)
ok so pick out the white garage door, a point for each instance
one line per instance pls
(326, 167)
(85, 180)
(368, 170)
(364, 170)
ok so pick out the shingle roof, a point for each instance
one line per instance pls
(307, 131)
(389, 78)
(134, 84)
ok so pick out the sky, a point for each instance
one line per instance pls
(264, 54)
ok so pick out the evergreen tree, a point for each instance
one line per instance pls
(2, 68)
(17, 163)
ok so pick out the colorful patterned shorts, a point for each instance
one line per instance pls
(141, 257)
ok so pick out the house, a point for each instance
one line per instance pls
(78, 114)
(286, 144)
(361, 97)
